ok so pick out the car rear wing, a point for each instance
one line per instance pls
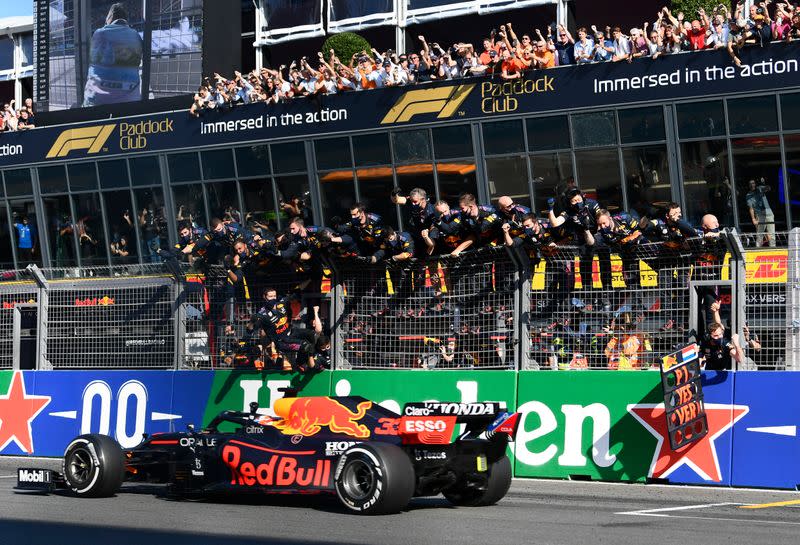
(433, 422)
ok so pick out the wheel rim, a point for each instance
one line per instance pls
(358, 479)
(79, 468)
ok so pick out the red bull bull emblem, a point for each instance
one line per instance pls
(307, 415)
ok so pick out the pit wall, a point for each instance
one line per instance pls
(599, 425)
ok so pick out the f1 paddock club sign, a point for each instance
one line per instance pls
(597, 85)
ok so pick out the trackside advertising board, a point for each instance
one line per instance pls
(671, 77)
(611, 426)
(605, 425)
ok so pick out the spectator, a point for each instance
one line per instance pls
(603, 49)
(489, 55)
(26, 239)
(761, 213)
(584, 48)
(794, 31)
(718, 35)
(564, 47)
(698, 31)
(622, 46)
(24, 122)
(638, 44)
(672, 41)
(655, 45)
(542, 56)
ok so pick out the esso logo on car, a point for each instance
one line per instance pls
(417, 426)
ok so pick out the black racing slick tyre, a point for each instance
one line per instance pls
(496, 488)
(94, 466)
(375, 479)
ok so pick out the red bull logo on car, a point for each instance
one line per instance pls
(278, 469)
(308, 415)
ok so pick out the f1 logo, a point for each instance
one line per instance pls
(91, 139)
(441, 100)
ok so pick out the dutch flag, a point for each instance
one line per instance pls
(689, 353)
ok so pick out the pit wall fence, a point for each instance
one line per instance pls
(492, 309)
(576, 425)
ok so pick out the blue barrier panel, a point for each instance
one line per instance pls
(766, 448)
(709, 460)
(45, 409)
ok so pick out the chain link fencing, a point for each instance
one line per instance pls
(771, 310)
(434, 313)
(494, 308)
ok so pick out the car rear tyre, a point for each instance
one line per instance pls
(496, 488)
(94, 466)
(375, 479)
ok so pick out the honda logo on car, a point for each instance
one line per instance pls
(458, 409)
(335, 448)
(33, 476)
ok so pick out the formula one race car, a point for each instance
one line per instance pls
(373, 459)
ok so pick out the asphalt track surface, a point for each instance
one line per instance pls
(534, 512)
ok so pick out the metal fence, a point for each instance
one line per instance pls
(494, 308)
(770, 296)
(431, 313)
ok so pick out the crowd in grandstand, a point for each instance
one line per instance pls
(13, 119)
(506, 54)
(265, 300)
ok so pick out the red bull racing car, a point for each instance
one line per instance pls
(373, 459)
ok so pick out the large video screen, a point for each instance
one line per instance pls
(97, 52)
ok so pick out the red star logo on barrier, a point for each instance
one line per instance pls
(701, 456)
(17, 411)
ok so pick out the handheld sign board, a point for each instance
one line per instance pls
(683, 397)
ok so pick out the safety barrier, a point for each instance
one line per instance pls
(604, 426)
(495, 308)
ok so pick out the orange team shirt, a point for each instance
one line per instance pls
(549, 59)
(520, 64)
(366, 83)
(510, 67)
(485, 58)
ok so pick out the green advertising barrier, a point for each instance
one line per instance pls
(577, 424)
(235, 390)
(392, 389)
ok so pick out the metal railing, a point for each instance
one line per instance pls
(494, 308)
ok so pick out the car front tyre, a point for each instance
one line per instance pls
(94, 466)
(375, 479)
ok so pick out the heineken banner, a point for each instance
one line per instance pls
(603, 425)
(611, 426)
(668, 78)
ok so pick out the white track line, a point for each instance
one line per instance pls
(675, 486)
(747, 521)
(678, 508)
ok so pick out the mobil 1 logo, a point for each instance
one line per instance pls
(34, 479)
